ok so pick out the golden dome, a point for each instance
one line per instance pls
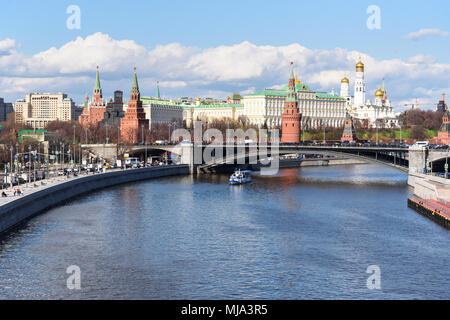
(379, 93)
(297, 81)
(345, 80)
(198, 99)
(360, 66)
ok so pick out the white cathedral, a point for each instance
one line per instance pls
(380, 113)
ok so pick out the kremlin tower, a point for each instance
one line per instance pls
(134, 117)
(93, 112)
(444, 131)
(291, 117)
(349, 134)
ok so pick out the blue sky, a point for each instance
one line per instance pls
(321, 26)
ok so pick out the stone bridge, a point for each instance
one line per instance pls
(209, 156)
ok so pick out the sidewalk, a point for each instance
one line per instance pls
(42, 185)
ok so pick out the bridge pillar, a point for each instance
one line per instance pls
(417, 159)
(187, 157)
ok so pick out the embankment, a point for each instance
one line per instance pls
(23, 207)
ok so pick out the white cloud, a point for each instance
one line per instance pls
(8, 45)
(217, 71)
(416, 35)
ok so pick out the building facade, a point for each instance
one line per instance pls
(318, 109)
(114, 109)
(158, 110)
(5, 110)
(38, 109)
(210, 112)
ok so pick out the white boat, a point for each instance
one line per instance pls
(240, 177)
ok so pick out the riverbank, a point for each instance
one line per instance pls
(294, 163)
(16, 209)
(433, 197)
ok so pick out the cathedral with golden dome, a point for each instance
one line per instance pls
(377, 113)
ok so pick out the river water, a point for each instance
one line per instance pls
(308, 233)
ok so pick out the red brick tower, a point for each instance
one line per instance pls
(291, 117)
(349, 134)
(94, 112)
(134, 118)
(444, 131)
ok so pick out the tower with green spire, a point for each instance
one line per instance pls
(444, 130)
(134, 124)
(291, 117)
(97, 99)
(158, 95)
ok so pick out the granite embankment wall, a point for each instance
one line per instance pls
(292, 163)
(430, 187)
(24, 207)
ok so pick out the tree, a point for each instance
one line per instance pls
(417, 132)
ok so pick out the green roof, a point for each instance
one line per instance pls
(150, 100)
(215, 106)
(299, 87)
(22, 132)
(324, 95)
(269, 92)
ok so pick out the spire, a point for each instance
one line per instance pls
(135, 87)
(158, 95)
(443, 96)
(97, 82)
(292, 71)
(291, 94)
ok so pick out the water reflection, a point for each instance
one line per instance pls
(306, 233)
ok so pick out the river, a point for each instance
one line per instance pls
(307, 233)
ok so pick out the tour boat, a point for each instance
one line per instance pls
(240, 177)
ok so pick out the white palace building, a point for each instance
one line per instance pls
(318, 109)
(264, 108)
(380, 112)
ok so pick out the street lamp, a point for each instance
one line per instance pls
(74, 153)
(29, 164)
(10, 167)
(61, 155)
(143, 142)
(17, 165)
(323, 126)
